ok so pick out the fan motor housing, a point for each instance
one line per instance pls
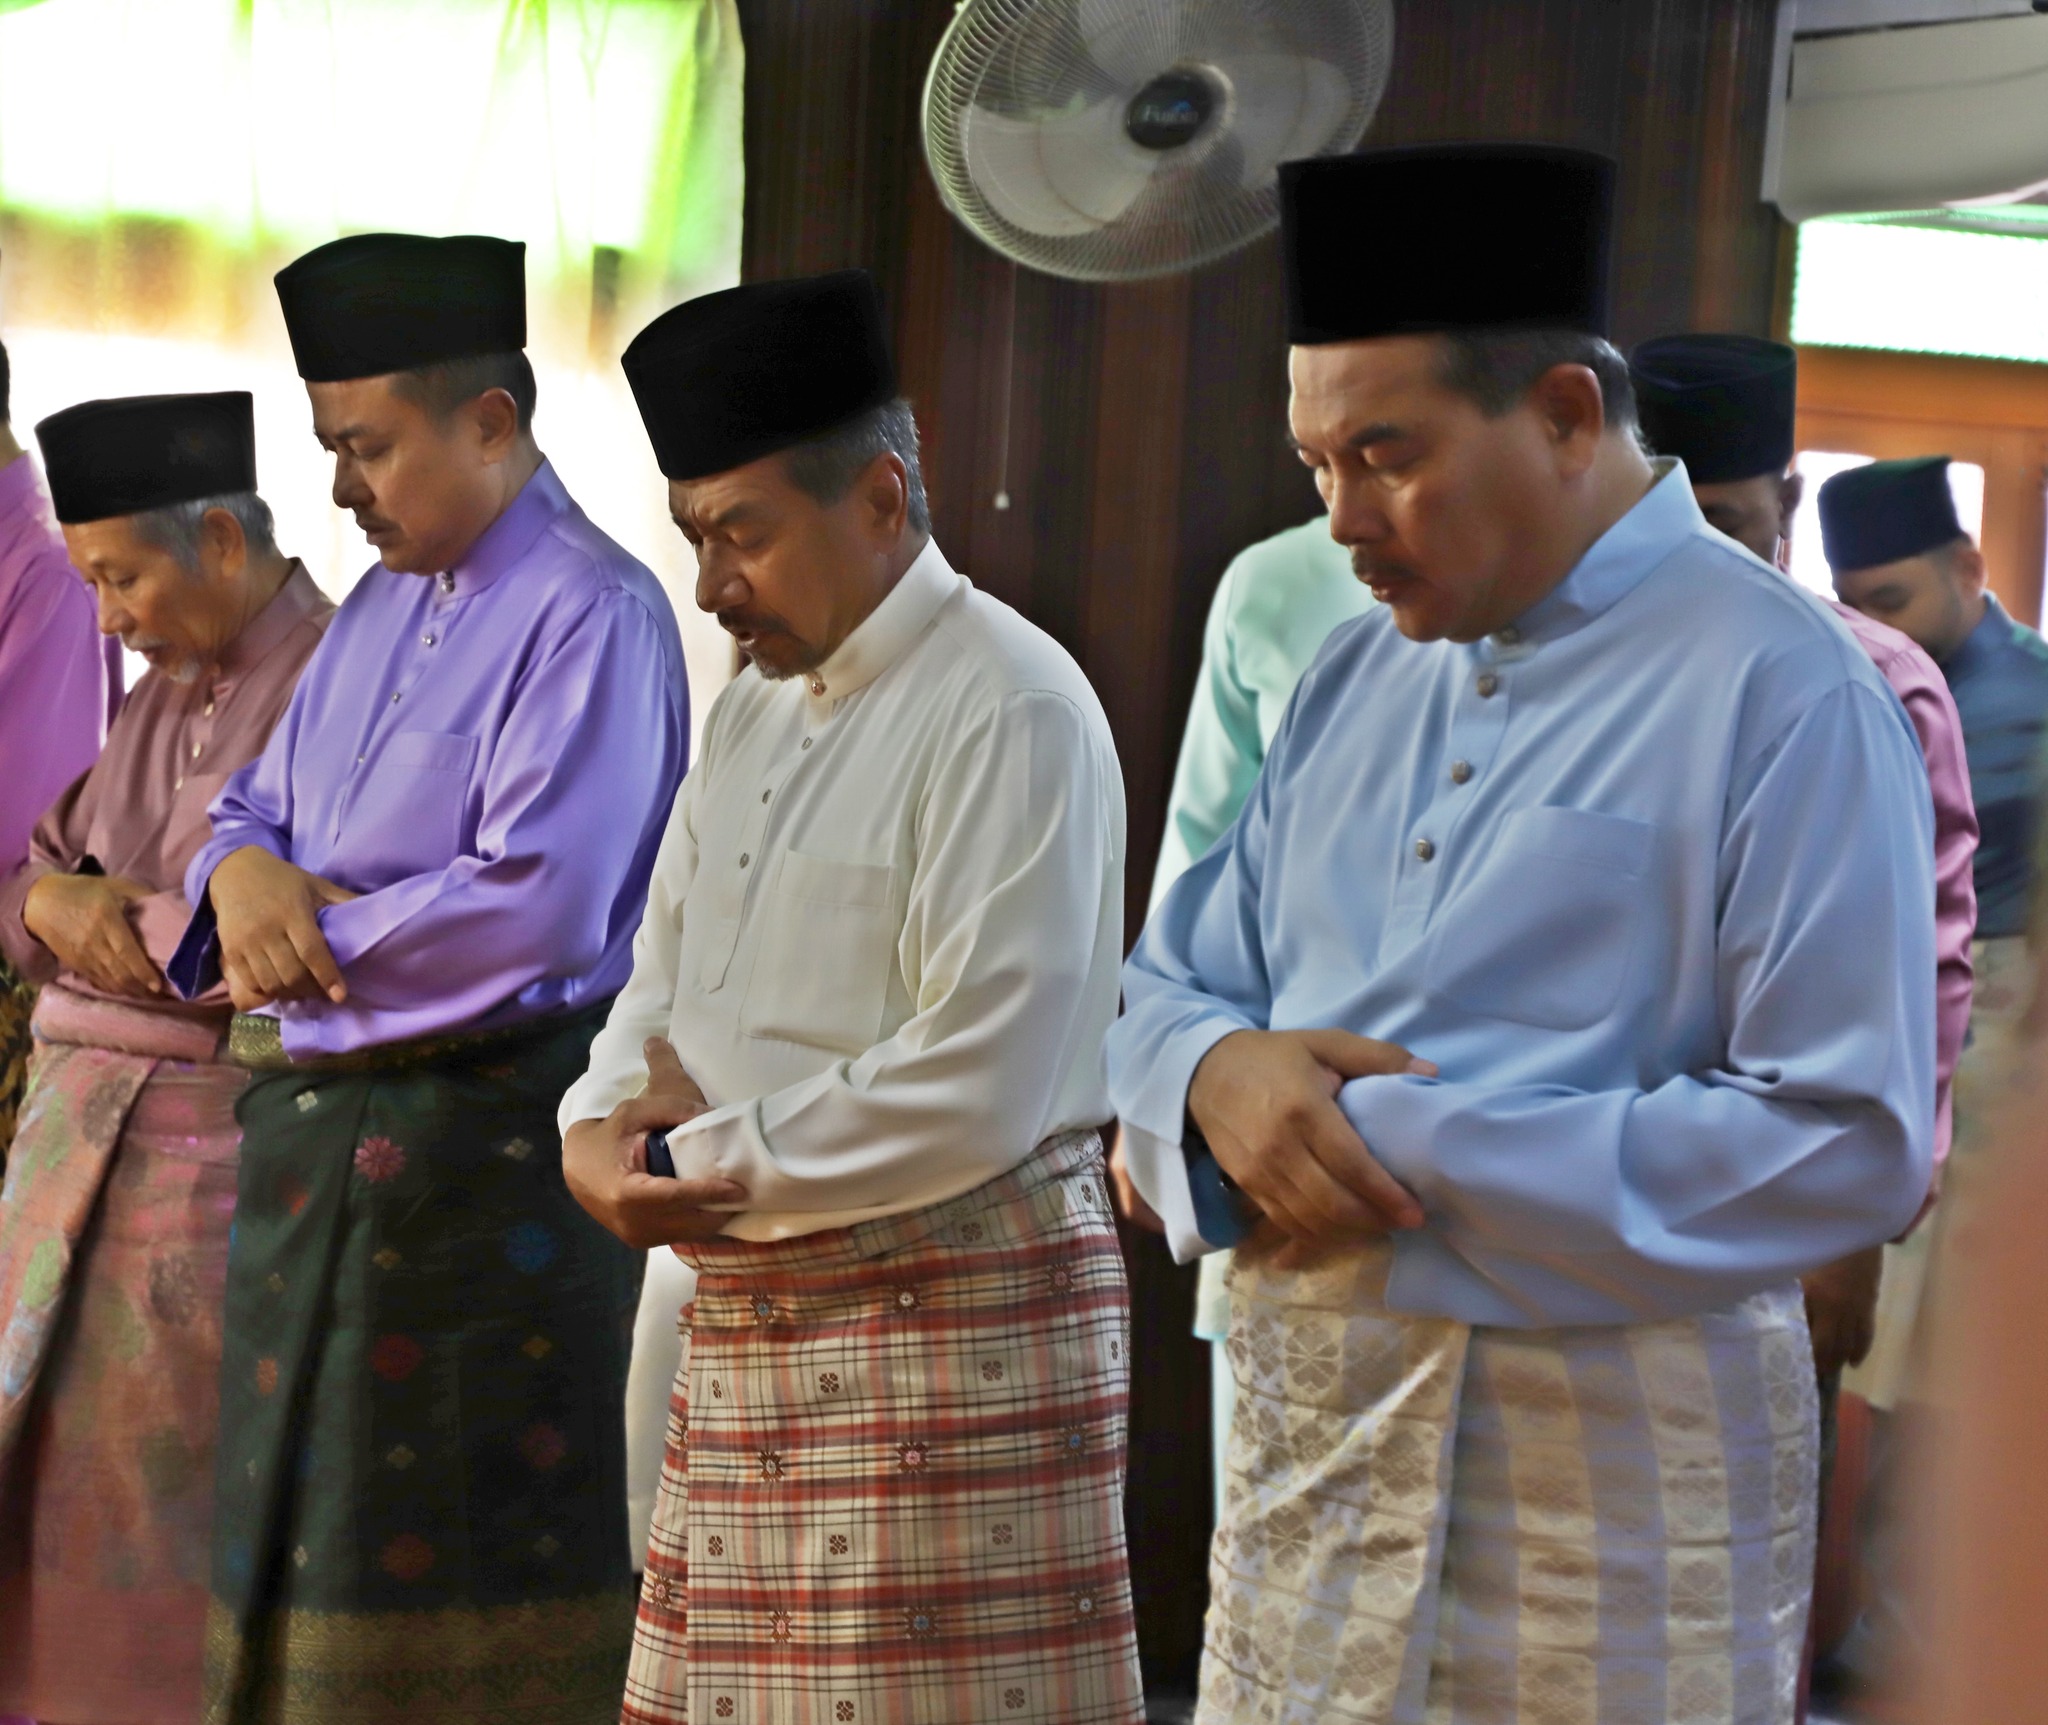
(1174, 109)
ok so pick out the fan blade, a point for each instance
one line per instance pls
(1285, 105)
(1064, 173)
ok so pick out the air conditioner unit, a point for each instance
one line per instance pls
(1906, 105)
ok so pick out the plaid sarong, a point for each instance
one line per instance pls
(893, 1493)
(1427, 1522)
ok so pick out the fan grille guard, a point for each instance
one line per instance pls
(1032, 116)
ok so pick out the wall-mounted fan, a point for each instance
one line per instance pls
(1108, 140)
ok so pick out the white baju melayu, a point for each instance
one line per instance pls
(884, 933)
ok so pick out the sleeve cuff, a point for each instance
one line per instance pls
(1163, 1174)
(195, 966)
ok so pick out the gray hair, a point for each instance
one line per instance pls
(1496, 368)
(176, 527)
(824, 468)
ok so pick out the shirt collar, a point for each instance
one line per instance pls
(1662, 519)
(886, 632)
(510, 537)
(296, 600)
(1993, 630)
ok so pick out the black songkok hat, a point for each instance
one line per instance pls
(1886, 510)
(1721, 403)
(1446, 237)
(121, 457)
(728, 378)
(376, 303)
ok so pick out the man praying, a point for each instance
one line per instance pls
(867, 1007)
(114, 1222)
(1563, 993)
(1723, 405)
(422, 896)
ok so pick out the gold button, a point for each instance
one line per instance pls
(1487, 684)
(1424, 849)
(817, 685)
(1460, 772)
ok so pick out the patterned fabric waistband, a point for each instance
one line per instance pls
(1055, 1158)
(257, 1041)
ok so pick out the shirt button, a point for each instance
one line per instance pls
(207, 711)
(1486, 685)
(179, 784)
(1460, 772)
(394, 695)
(426, 640)
(807, 742)
(744, 859)
(195, 751)
(360, 759)
(1508, 637)
(764, 796)
(446, 580)
(1424, 849)
(817, 685)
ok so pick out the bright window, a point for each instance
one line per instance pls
(160, 159)
(1950, 281)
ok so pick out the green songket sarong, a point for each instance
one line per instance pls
(421, 1488)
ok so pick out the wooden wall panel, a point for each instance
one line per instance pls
(1144, 425)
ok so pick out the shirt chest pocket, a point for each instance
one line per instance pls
(406, 816)
(1544, 932)
(828, 948)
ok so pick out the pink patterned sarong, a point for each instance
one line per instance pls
(113, 1253)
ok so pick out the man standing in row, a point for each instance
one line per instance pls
(425, 891)
(868, 1002)
(1899, 553)
(1724, 405)
(57, 691)
(1624, 850)
(114, 1222)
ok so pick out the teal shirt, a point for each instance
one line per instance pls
(1276, 605)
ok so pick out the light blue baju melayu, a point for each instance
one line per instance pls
(1648, 877)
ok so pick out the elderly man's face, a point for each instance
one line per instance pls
(159, 608)
(788, 577)
(1936, 597)
(421, 489)
(1438, 503)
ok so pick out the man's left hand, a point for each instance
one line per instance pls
(1841, 1309)
(605, 1163)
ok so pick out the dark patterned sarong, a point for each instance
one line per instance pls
(422, 1463)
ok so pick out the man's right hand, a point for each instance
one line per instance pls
(83, 920)
(1266, 1102)
(267, 912)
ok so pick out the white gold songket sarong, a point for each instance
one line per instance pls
(1432, 1524)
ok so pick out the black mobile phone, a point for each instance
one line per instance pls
(659, 1161)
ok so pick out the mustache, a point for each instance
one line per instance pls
(1369, 567)
(738, 622)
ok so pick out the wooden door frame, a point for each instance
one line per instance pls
(1993, 413)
